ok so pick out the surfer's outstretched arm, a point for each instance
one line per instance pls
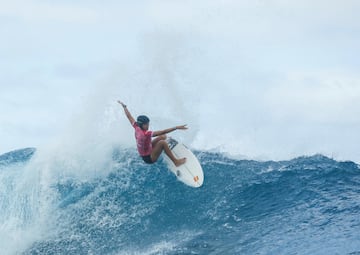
(127, 113)
(165, 131)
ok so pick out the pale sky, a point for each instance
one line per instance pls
(264, 79)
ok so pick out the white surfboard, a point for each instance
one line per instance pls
(190, 172)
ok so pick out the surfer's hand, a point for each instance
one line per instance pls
(182, 127)
(123, 105)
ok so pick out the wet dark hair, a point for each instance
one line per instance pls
(141, 120)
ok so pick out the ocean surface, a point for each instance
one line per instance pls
(307, 205)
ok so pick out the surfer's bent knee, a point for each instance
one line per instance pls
(163, 142)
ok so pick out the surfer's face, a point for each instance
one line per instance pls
(145, 126)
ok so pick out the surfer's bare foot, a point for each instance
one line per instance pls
(179, 162)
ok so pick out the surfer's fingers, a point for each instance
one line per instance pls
(120, 102)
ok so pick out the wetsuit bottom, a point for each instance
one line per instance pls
(147, 159)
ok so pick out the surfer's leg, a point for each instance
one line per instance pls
(163, 146)
(157, 139)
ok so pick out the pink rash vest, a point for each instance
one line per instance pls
(143, 140)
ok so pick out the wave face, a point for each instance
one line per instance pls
(308, 205)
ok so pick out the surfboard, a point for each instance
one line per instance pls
(190, 172)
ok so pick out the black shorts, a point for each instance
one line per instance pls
(147, 159)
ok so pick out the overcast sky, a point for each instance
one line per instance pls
(265, 79)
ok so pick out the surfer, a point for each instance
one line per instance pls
(148, 148)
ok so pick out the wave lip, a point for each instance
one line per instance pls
(16, 156)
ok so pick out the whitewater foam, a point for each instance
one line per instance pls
(25, 198)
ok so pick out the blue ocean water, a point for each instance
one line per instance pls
(308, 205)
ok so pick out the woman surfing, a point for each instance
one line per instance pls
(148, 148)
